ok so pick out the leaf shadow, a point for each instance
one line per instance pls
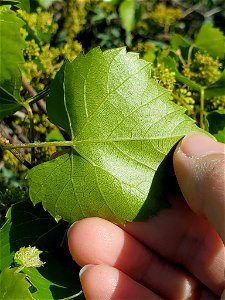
(164, 182)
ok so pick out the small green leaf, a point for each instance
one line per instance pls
(216, 125)
(211, 39)
(54, 135)
(127, 16)
(28, 257)
(217, 88)
(28, 225)
(177, 41)
(56, 280)
(122, 125)
(150, 55)
(14, 285)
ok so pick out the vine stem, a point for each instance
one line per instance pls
(26, 105)
(189, 54)
(39, 96)
(39, 144)
(4, 143)
(202, 108)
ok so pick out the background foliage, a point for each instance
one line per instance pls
(183, 41)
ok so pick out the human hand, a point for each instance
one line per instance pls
(177, 254)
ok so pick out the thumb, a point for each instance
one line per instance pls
(199, 164)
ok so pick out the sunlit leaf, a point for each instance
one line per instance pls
(122, 125)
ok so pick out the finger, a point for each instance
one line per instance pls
(181, 236)
(105, 282)
(109, 244)
(199, 164)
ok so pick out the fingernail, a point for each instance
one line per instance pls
(199, 144)
(84, 269)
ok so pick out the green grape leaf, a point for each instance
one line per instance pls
(215, 124)
(28, 225)
(122, 125)
(6, 257)
(51, 286)
(211, 39)
(8, 103)
(217, 88)
(24, 5)
(14, 285)
(170, 63)
(11, 58)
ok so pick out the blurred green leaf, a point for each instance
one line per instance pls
(150, 55)
(211, 39)
(47, 3)
(178, 41)
(215, 124)
(24, 5)
(217, 88)
(114, 2)
(127, 16)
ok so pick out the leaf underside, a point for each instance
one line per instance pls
(122, 125)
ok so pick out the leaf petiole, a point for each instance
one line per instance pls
(39, 144)
(26, 105)
(73, 296)
(190, 53)
(39, 96)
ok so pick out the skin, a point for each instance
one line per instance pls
(177, 254)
